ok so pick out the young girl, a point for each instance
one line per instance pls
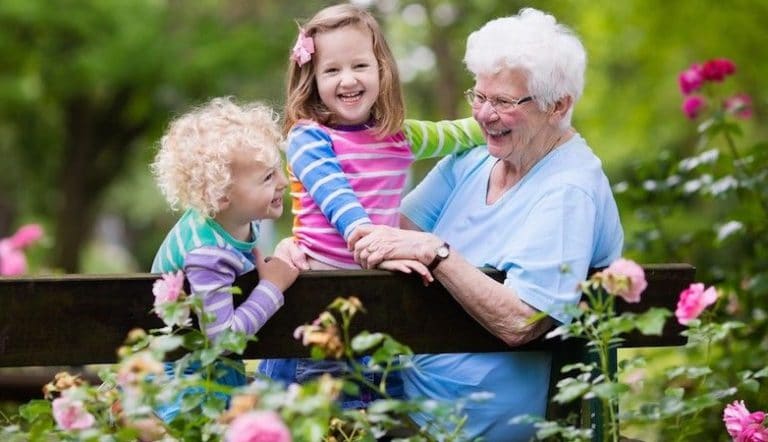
(347, 154)
(221, 163)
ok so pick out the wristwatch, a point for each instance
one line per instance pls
(441, 253)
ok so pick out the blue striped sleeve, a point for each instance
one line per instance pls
(313, 161)
(211, 272)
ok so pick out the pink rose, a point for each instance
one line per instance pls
(693, 105)
(742, 425)
(71, 414)
(258, 426)
(693, 301)
(691, 79)
(739, 105)
(26, 235)
(717, 69)
(624, 278)
(12, 260)
(169, 288)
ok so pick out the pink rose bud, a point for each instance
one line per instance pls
(717, 69)
(71, 414)
(692, 106)
(13, 262)
(168, 288)
(739, 105)
(693, 301)
(624, 278)
(258, 426)
(26, 235)
(691, 79)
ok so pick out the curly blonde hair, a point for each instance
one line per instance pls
(193, 164)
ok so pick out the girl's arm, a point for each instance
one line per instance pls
(314, 163)
(211, 272)
(431, 139)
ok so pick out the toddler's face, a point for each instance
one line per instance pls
(257, 189)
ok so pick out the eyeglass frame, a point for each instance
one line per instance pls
(477, 100)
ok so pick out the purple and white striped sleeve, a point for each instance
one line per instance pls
(211, 272)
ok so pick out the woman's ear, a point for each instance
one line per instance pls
(561, 108)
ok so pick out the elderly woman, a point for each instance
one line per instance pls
(535, 204)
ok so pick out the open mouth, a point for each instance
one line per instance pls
(350, 97)
(497, 133)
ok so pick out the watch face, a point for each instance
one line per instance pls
(442, 251)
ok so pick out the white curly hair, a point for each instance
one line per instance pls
(193, 164)
(549, 52)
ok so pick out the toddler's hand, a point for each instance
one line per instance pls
(408, 266)
(289, 251)
(276, 271)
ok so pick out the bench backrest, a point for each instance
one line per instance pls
(82, 319)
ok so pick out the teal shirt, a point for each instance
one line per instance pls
(194, 231)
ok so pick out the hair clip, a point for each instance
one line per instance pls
(303, 49)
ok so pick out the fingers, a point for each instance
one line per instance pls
(289, 251)
(359, 232)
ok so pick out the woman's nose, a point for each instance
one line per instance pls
(485, 112)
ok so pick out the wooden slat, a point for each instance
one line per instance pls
(82, 319)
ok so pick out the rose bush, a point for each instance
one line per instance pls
(705, 203)
(122, 407)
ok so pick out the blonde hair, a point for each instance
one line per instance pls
(303, 100)
(193, 164)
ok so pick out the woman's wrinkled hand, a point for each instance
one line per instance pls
(408, 266)
(373, 244)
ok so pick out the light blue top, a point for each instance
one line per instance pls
(545, 233)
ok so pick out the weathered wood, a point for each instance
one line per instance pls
(82, 319)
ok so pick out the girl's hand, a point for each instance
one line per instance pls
(276, 271)
(288, 250)
(408, 266)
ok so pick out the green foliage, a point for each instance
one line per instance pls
(121, 409)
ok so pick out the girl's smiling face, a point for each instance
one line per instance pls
(347, 73)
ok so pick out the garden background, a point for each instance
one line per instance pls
(87, 87)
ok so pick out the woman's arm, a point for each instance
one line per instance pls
(495, 306)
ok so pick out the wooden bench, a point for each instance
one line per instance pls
(82, 319)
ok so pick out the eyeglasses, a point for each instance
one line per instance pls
(477, 100)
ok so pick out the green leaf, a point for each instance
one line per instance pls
(35, 409)
(208, 356)
(166, 343)
(194, 340)
(570, 389)
(365, 341)
(652, 321)
(609, 390)
(751, 385)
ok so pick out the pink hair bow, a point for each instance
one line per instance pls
(303, 49)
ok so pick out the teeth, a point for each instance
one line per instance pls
(497, 133)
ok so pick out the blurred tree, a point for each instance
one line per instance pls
(82, 92)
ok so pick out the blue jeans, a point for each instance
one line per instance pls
(228, 375)
(299, 371)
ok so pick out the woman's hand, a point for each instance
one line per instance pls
(373, 244)
(408, 266)
(289, 251)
